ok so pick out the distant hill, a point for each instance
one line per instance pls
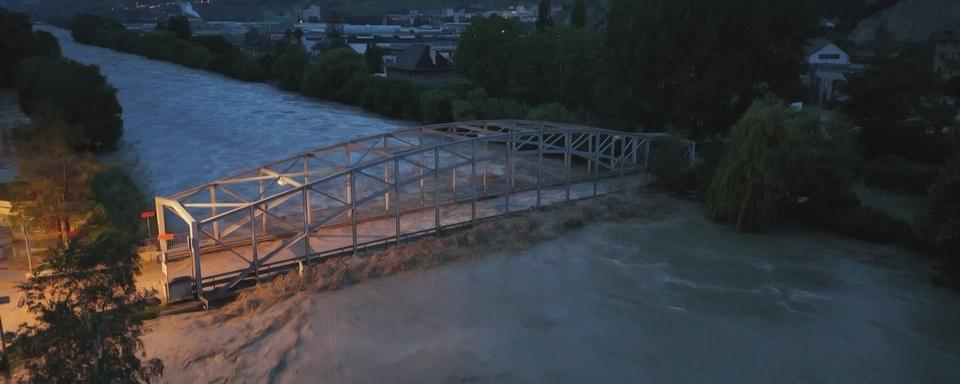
(910, 20)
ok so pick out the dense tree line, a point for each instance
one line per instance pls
(52, 88)
(690, 65)
(84, 296)
(337, 73)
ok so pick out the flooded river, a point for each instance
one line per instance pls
(184, 127)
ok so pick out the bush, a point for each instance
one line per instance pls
(939, 219)
(289, 68)
(899, 174)
(436, 106)
(776, 160)
(670, 163)
(77, 94)
(867, 224)
(331, 71)
(551, 112)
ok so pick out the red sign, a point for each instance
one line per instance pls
(165, 236)
(147, 214)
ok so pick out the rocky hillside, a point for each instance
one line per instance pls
(910, 20)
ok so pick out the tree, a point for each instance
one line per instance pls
(544, 17)
(53, 183)
(288, 68)
(482, 54)
(697, 65)
(88, 315)
(54, 88)
(374, 58)
(331, 71)
(334, 30)
(578, 16)
(16, 43)
(939, 219)
(882, 99)
(778, 160)
(180, 25)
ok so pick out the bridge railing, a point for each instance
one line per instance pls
(400, 185)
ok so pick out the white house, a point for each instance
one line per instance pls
(829, 68)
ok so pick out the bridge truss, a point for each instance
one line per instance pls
(384, 189)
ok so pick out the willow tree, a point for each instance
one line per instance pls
(751, 184)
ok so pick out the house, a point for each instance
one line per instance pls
(830, 66)
(421, 63)
(946, 53)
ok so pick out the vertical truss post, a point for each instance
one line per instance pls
(634, 143)
(473, 182)
(621, 160)
(213, 210)
(486, 163)
(509, 170)
(568, 144)
(161, 229)
(396, 195)
(596, 163)
(539, 167)
(195, 255)
(308, 210)
(693, 152)
(253, 244)
(353, 209)
(306, 226)
(646, 153)
(349, 183)
(422, 165)
(263, 191)
(436, 188)
(386, 178)
(590, 162)
(453, 175)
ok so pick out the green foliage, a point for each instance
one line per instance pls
(196, 56)
(332, 69)
(77, 94)
(939, 219)
(865, 223)
(778, 161)
(551, 112)
(88, 328)
(179, 25)
(578, 16)
(53, 180)
(899, 174)
(544, 19)
(374, 58)
(18, 42)
(482, 55)
(289, 67)
(697, 65)
(436, 106)
(670, 163)
(880, 102)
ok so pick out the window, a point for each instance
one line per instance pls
(829, 56)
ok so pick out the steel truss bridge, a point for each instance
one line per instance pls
(382, 190)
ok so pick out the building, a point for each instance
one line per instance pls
(421, 63)
(830, 67)
(946, 53)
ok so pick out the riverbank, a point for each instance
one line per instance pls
(621, 301)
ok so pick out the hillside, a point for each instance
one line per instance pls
(910, 20)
